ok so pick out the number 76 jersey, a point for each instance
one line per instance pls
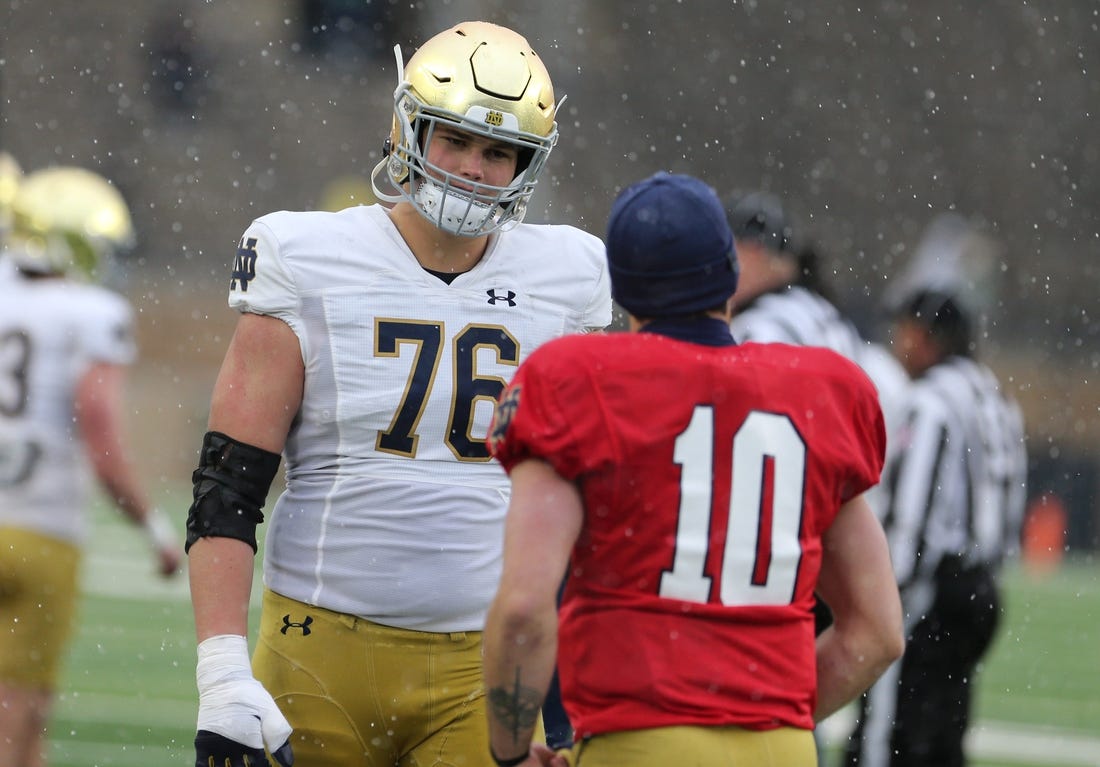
(393, 507)
(708, 476)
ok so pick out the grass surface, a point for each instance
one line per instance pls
(128, 693)
(1045, 666)
(1038, 691)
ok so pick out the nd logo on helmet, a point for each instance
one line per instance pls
(494, 118)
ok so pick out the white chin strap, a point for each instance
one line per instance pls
(452, 211)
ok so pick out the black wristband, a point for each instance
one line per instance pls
(509, 762)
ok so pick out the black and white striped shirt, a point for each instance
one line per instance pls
(799, 316)
(958, 484)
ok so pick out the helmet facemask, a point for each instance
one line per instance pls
(451, 202)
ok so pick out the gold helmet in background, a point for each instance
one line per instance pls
(11, 175)
(484, 79)
(67, 220)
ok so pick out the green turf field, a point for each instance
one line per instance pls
(1038, 695)
(129, 692)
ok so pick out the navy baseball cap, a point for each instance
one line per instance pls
(669, 248)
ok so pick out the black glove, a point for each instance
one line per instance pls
(213, 750)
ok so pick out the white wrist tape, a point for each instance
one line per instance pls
(160, 531)
(231, 702)
(221, 658)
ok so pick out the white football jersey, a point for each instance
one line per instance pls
(51, 331)
(393, 509)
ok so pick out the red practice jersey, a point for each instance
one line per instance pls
(708, 475)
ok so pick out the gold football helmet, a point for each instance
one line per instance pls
(480, 78)
(67, 220)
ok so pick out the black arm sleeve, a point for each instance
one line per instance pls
(230, 487)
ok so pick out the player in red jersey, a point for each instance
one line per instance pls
(698, 491)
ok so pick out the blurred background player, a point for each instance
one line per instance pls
(371, 346)
(65, 344)
(699, 491)
(955, 500)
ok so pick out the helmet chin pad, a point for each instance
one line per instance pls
(453, 210)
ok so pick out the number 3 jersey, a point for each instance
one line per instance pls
(708, 475)
(52, 331)
(393, 509)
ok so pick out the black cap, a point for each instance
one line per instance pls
(943, 315)
(759, 217)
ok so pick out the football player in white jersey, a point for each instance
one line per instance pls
(370, 350)
(64, 347)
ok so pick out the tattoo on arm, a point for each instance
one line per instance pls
(516, 708)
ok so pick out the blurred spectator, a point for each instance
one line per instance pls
(177, 65)
(350, 28)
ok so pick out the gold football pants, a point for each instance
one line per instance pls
(38, 602)
(690, 746)
(360, 694)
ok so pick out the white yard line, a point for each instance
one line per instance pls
(1007, 742)
(1013, 743)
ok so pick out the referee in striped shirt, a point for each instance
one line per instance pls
(956, 491)
(780, 295)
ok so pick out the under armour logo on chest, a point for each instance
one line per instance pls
(506, 296)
